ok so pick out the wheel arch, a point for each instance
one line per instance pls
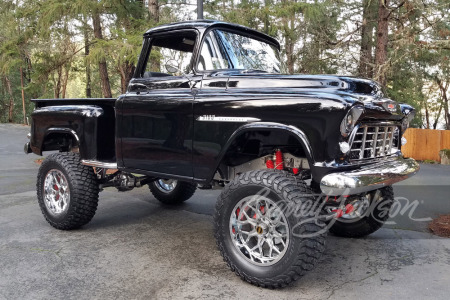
(56, 138)
(295, 136)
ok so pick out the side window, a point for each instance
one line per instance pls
(211, 56)
(223, 49)
(172, 50)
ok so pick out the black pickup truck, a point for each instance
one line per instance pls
(209, 107)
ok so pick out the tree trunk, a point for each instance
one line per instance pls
(427, 114)
(11, 100)
(365, 68)
(153, 9)
(126, 73)
(57, 83)
(436, 120)
(447, 116)
(443, 87)
(23, 97)
(86, 61)
(382, 41)
(65, 81)
(102, 67)
(288, 25)
(266, 19)
(290, 55)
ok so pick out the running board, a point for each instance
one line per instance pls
(99, 164)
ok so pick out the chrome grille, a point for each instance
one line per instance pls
(373, 141)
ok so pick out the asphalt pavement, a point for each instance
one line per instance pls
(136, 248)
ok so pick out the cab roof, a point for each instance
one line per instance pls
(205, 24)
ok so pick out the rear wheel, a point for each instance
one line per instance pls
(67, 191)
(170, 191)
(369, 214)
(263, 231)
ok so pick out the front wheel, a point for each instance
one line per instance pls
(67, 191)
(266, 230)
(369, 214)
(172, 192)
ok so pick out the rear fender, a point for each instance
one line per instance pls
(54, 124)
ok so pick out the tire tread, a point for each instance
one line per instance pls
(293, 190)
(84, 190)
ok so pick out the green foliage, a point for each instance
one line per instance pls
(46, 38)
(429, 161)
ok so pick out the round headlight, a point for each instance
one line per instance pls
(350, 120)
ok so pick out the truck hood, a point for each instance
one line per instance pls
(353, 90)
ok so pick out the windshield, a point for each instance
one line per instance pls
(227, 50)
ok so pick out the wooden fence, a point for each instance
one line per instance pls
(425, 144)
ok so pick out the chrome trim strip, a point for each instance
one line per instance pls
(369, 177)
(99, 164)
(213, 118)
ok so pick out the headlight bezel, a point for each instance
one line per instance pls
(350, 120)
(407, 120)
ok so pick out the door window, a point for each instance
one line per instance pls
(170, 55)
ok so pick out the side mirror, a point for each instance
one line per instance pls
(171, 66)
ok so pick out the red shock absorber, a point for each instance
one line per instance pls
(279, 160)
(269, 164)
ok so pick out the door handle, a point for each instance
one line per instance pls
(138, 86)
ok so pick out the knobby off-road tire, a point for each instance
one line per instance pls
(302, 234)
(172, 192)
(67, 191)
(371, 221)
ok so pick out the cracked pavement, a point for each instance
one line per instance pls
(135, 248)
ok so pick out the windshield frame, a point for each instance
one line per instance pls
(230, 30)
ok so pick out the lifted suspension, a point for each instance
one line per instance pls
(121, 180)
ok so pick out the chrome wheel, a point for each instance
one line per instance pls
(259, 230)
(166, 185)
(56, 192)
(361, 206)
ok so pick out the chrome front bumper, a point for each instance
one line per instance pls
(368, 178)
(27, 148)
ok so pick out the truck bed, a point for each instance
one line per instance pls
(85, 123)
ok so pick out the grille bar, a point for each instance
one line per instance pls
(361, 153)
(383, 153)
(373, 141)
